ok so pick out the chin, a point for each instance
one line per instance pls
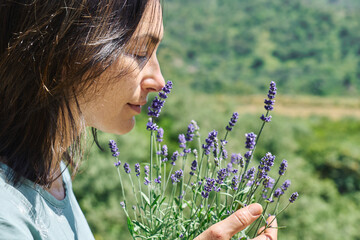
(124, 127)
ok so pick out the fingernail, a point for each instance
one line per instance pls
(255, 209)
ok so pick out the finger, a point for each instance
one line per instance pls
(261, 237)
(233, 224)
(271, 231)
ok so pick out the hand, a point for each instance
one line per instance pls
(238, 221)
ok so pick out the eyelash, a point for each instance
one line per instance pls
(140, 57)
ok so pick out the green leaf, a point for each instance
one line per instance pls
(142, 226)
(145, 198)
(155, 200)
(130, 226)
(227, 194)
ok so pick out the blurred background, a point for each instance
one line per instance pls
(221, 56)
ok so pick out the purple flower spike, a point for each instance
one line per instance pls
(176, 176)
(137, 169)
(235, 182)
(222, 174)
(151, 126)
(174, 157)
(293, 197)
(210, 142)
(113, 148)
(146, 181)
(146, 170)
(190, 132)
(286, 185)
(283, 167)
(208, 187)
(266, 119)
(250, 140)
(127, 168)
(267, 162)
(193, 167)
(271, 96)
(232, 121)
(268, 182)
(160, 135)
(155, 108)
(158, 180)
(237, 159)
(117, 164)
(122, 204)
(182, 141)
(278, 192)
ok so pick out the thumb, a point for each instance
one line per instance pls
(233, 224)
(242, 218)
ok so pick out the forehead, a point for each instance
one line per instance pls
(151, 23)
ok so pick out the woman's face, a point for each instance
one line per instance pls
(113, 108)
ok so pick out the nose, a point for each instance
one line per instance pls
(153, 80)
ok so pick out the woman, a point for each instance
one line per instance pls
(65, 65)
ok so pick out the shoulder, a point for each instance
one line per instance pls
(15, 220)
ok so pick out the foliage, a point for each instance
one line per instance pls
(232, 46)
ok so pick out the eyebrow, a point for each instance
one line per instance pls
(153, 38)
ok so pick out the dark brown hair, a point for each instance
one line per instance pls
(50, 51)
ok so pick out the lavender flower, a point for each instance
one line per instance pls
(293, 197)
(176, 176)
(166, 90)
(122, 204)
(250, 140)
(196, 128)
(278, 192)
(174, 157)
(266, 119)
(160, 135)
(250, 173)
(232, 121)
(267, 162)
(286, 185)
(158, 179)
(224, 153)
(235, 182)
(151, 126)
(117, 164)
(193, 167)
(222, 174)
(146, 181)
(182, 141)
(155, 108)
(247, 156)
(113, 148)
(209, 142)
(237, 159)
(127, 168)
(268, 182)
(137, 169)
(190, 132)
(271, 96)
(164, 152)
(158, 102)
(283, 167)
(146, 170)
(208, 187)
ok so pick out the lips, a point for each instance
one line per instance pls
(136, 107)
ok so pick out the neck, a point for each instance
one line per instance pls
(57, 188)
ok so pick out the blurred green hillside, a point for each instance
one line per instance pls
(236, 46)
(221, 56)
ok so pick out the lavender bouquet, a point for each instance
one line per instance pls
(180, 195)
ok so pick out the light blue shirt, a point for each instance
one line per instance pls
(30, 212)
